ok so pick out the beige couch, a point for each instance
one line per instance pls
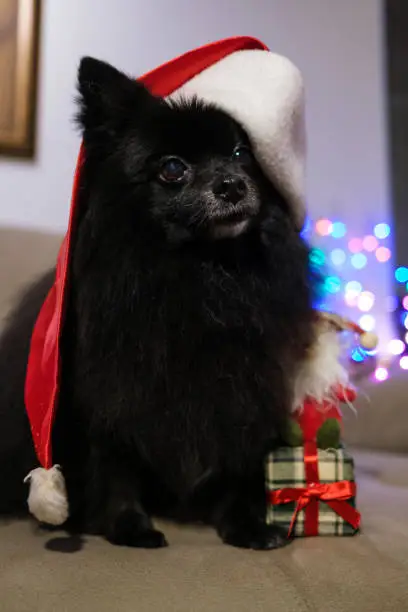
(45, 572)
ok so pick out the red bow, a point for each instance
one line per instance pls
(334, 494)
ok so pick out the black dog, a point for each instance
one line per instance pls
(189, 313)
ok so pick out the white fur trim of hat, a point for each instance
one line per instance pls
(264, 92)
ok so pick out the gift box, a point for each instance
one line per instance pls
(326, 506)
(310, 483)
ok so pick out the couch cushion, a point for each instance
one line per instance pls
(381, 420)
(23, 256)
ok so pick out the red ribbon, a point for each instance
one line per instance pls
(334, 495)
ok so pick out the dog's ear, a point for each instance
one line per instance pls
(107, 97)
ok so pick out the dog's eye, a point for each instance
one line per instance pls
(173, 170)
(243, 155)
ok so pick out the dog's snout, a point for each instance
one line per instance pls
(230, 189)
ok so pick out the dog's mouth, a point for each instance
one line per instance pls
(232, 221)
(237, 215)
(227, 214)
(213, 218)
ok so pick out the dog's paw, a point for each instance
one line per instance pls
(130, 529)
(256, 537)
(147, 538)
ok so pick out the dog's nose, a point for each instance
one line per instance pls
(230, 189)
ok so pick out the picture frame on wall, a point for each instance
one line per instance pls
(19, 42)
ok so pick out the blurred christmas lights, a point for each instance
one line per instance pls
(324, 227)
(351, 299)
(339, 229)
(366, 301)
(404, 362)
(342, 259)
(317, 257)
(401, 274)
(381, 374)
(396, 347)
(355, 245)
(370, 243)
(332, 284)
(383, 254)
(354, 286)
(338, 257)
(367, 322)
(359, 261)
(382, 230)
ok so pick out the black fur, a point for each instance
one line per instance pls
(184, 329)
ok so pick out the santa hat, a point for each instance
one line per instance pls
(264, 93)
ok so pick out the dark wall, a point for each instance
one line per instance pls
(396, 12)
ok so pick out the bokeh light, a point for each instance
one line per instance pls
(332, 284)
(383, 254)
(355, 245)
(353, 286)
(324, 227)
(381, 374)
(396, 347)
(370, 243)
(339, 229)
(366, 301)
(352, 291)
(405, 302)
(401, 274)
(357, 355)
(359, 261)
(317, 257)
(350, 299)
(404, 362)
(382, 230)
(367, 322)
(338, 257)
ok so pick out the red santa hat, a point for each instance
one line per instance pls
(264, 93)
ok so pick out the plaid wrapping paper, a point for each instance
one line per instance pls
(285, 468)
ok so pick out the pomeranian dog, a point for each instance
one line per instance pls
(189, 314)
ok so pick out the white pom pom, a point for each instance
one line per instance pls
(47, 500)
(369, 340)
